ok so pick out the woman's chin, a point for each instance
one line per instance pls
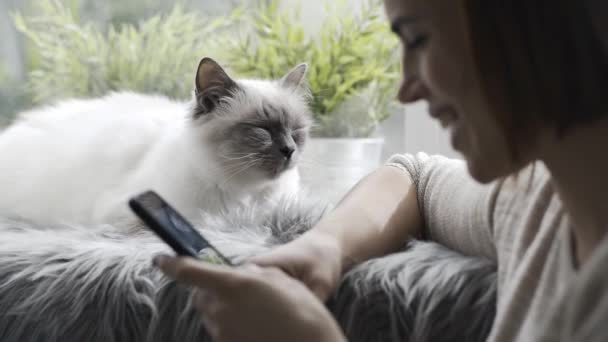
(483, 168)
(486, 170)
(480, 174)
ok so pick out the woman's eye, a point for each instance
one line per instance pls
(416, 43)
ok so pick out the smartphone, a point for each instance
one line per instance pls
(172, 227)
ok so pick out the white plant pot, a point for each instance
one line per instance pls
(330, 167)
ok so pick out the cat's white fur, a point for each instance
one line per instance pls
(80, 161)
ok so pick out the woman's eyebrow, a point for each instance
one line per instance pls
(400, 21)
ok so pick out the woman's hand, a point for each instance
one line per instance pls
(378, 216)
(251, 303)
(315, 259)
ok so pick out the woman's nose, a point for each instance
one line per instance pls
(412, 90)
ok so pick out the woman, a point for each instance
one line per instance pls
(520, 86)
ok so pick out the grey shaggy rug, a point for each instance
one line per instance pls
(71, 283)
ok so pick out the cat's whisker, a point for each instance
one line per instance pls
(220, 169)
(238, 156)
(235, 168)
(220, 172)
(244, 167)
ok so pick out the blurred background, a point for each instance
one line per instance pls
(57, 49)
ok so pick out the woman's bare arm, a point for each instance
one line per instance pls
(376, 217)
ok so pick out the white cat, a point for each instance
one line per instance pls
(80, 161)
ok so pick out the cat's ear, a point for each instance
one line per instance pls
(295, 78)
(212, 84)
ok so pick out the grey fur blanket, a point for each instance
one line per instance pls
(70, 283)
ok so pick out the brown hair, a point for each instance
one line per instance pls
(540, 62)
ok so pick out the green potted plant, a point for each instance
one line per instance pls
(353, 68)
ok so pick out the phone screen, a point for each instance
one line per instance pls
(173, 227)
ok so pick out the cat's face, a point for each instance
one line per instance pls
(257, 128)
(269, 138)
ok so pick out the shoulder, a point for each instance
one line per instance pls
(582, 312)
(524, 199)
(421, 164)
(588, 309)
(527, 195)
(527, 209)
(531, 182)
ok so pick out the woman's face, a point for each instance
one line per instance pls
(438, 67)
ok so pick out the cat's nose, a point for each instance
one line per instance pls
(287, 151)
